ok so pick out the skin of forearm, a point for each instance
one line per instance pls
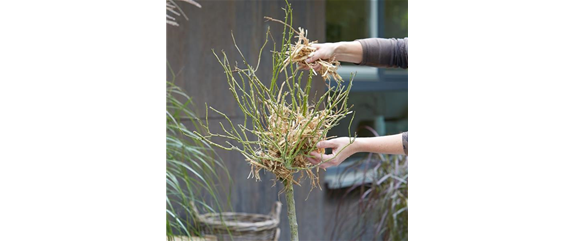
(391, 144)
(349, 52)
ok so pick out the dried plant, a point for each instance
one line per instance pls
(173, 8)
(303, 49)
(281, 125)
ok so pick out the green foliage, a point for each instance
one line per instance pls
(192, 169)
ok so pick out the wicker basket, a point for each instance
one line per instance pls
(241, 226)
(184, 238)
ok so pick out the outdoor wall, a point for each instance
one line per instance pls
(189, 53)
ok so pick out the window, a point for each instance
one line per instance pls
(379, 95)
(349, 20)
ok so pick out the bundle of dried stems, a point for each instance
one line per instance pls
(303, 49)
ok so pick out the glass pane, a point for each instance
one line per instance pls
(396, 19)
(373, 107)
(347, 20)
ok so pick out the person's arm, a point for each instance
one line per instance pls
(377, 52)
(381, 52)
(351, 52)
(391, 144)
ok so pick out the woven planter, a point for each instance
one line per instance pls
(241, 226)
(184, 238)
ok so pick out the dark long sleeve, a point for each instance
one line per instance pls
(406, 142)
(382, 52)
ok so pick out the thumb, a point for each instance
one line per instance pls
(326, 144)
(316, 55)
(312, 58)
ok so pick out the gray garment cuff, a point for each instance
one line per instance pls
(406, 142)
(381, 52)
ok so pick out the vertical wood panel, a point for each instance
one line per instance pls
(189, 53)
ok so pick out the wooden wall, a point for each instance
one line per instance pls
(189, 53)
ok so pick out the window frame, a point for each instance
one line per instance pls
(368, 78)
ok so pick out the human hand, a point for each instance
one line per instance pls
(324, 51)
(342, 149)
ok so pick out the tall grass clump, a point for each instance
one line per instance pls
(172, 9)
(191, 179)
(191, 166)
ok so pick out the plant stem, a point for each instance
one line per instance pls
(291, 210)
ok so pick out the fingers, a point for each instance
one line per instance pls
(315, 157)
(323, 51)
(303, 67)
(326, 165)
(329, 164)
(312, 58)
(316, 55)
(317, 67)
(313, 160)
(327, 144)
(319, 156)
(333, 159)
(320, 53)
